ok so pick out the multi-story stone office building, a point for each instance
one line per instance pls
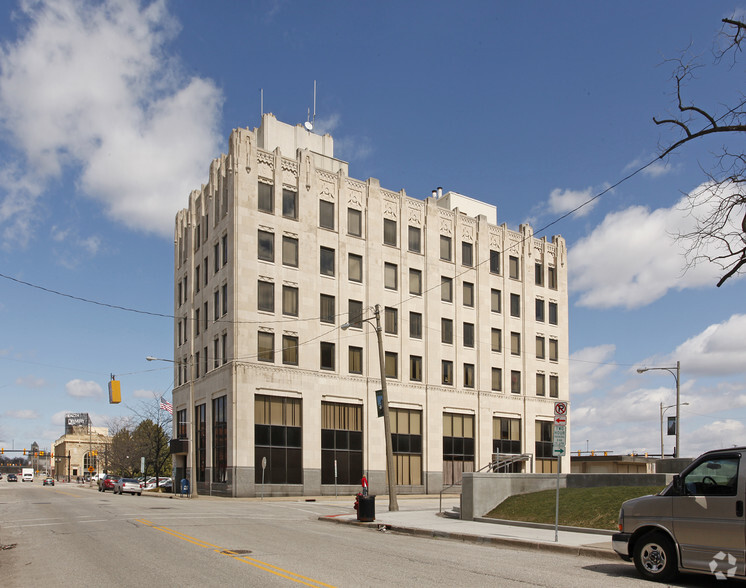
(282, 247)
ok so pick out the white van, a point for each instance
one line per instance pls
(27, 475)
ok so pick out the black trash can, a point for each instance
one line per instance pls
(366, 508)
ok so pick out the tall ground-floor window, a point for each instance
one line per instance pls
(90, 460)
(546, 463)
(406, 438)
(219, 439)
(458, 446)
(200, 436)
(277, 436)
(506, 440)
(341, 442)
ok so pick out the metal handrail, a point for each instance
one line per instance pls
(440, 502)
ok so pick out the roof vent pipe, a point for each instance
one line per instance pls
(440, 191)
(435, 193)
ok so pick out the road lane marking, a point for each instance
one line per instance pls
(261, 565)
(68, 493)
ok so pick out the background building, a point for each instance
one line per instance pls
(278, 250)
(82, 450)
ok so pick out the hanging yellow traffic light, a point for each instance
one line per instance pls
(115, 391)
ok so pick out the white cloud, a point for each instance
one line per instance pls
(589, 366)
(26, 414)
(632, 258)
(31, 382)
(143, 394)
(719, 350)
(83, 389)
(562, 201)
(656, 169)
(87, 88)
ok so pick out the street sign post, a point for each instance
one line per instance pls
(559, 440)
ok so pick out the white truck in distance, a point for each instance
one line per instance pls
(27, 475)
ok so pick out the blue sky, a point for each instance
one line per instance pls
(110, 113)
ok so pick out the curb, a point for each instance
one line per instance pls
(580, 550)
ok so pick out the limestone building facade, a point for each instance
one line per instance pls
(278, 251)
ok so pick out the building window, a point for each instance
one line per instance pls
(552, 313)
(497, 379)
(216, 305)
(224, 347)
(355, 360)
(219, 439)
(415, 325)
(355, 267)
(406, 438)
(552, 277)
(206, 273)
(540, 353)
(467, 254)
(354, 222)
(541, 384)
(391, 321)
(266, 197)
(447, 372)
(181, 424)
(446, 289)
(494, 262)
(289, 350)
(200, 436)
(326, 214)
(389, 232)
(216, 257)
(496, 300)
(515, 343)
(225, 249)
(390, 276)
(545, 460)
(205, 360)
(266, 347)
(278, 438)
(327, 314)
(415, 368)
(445, 248)
(391, 364)
(468, 375)
(506, 439)
(326, 263)
(514, 268)
(327, 356)
(415, 239)
(196, 365)
(458, 446)
(469, 294)
(289, 204)
(468, 334)
(196, 322)
(196, 279)
(415, 282)
(266, 246)
(355, 313)
(539, 274)
(206, 316)
(515, 382)
(515, 305)
(289, 251)
(341, 443)
(539, 310)
(497, 340)
(290, 300)
(553, 350)
(224, 292)
(446, 330)
(265, 299)
(554, 386)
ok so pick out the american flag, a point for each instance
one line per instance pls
(166, 405)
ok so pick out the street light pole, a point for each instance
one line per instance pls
(676, 373)
(390, 472)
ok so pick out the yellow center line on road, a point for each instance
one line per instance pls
(261, 565)
(68, 493)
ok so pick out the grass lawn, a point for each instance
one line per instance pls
(594, 508)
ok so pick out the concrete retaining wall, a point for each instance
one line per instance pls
(481, 492)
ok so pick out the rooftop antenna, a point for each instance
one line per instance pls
(310, 121)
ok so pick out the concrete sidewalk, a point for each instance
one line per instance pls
(420, 517)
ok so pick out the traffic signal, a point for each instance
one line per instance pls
(42, 454)
(2, 450)
(24, 452)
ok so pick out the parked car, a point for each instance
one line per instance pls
(695, 524)
(107, 482)
(166, 483)
(48, 482)
(12, 478)
(129, 485)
